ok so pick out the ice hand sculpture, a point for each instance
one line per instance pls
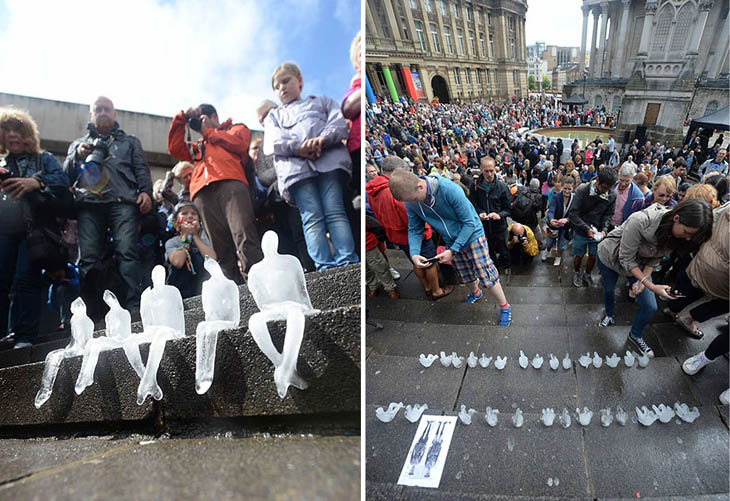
(554, 362)
(548, 416)
(445, 359)
(684, 413)
(645, 416)
(161, 309)
(621, 416)
(537, 362)
(389, 415)
(567, 363)
(413, 413)
(484, 360)
(426, 361)
(664, 413)
(523, 360)
(597, 360)
(464, 415)
(585, 360)
(564, 418)
(629, 359)
(500, 363)
(277, 285)
(643, 360)
(82, 330)
(491, 416)
(584, 417)
(118, 323)
(606, 417)
(222, 311)
(456, 360)
(471, 361)
(613, 361)
(518, 420)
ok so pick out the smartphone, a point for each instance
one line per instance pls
(434, 259)
(677, 294)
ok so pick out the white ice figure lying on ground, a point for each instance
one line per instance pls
(518, 420)
(564, 418)
(491, 416)
(222, 311)
(523, 360)
(82, 330)
(613, 361)
(554, 362)
(645, 416)
(426, 361)
(585, 360)
(471, 360)
(684, 413)
(387, 416)
(456, 360)
(548, 416)
(567, 362)
(161, 309)
(464, 415)
(629, 359)
(278, 286)
(537, 362)
(445, 359)
(118, 324)
(484, 360)
(643, 360)
(597, 360)
(500, 363)
(663, 412)
(606, 417)
(584, 416)
(621, 417)
(413, 413)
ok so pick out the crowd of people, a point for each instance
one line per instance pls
(98, 222)
(464, 189)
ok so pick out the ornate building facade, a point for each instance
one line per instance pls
(446, 49)
(656, 62)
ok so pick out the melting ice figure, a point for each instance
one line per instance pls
(663, 412)
(426, 361)
(471, 361)
(643, 360)
(684, 413)
(387, 416)
(629, 359)
(500, 362)
(585, 360)
(554, 362)
(118, 324)
(523, 360)
(537, 362)
(445, 359)
(484, 360)
(82, 330)
(606, 417)
(413, 413)
(517, 419)
(564, 418)
(491, 416)
(548, 416)
(567, 363)
(584, 417)
(613, 361)
(621, 416)
(597, 360)
(464, 415)
(277, 285)
(645, 416)
(222, 311)
(456, 360)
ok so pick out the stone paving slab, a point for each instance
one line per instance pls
(429, 312)
(410, 340)
(378, 340)
(608, 340)
(403, 379)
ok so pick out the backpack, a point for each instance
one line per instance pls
(521, 205)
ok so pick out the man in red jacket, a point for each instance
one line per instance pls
(219, 187)
(392, 215)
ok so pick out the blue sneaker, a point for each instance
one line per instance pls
(505, 316)
(473, 298)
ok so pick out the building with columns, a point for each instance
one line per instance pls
(656, 62)
(446, 49)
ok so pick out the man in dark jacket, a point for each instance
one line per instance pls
(112, 188)
(491, 198)
(590, 214)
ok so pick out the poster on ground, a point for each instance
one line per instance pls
(427, 456)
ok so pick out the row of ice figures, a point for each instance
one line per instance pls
(585, 361)
(276, 283)
(644, 415)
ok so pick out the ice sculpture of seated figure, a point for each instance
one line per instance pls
(280, 291)
(222, 311)
(82, 330)
(161, 309)
(118, 323)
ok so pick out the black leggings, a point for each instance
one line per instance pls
(701, 313)
(719, 345)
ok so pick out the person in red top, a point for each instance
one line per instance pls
(393, 217)
(218, 186)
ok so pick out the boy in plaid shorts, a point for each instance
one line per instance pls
(442, 204)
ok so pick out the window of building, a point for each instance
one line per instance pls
(598, 101)
(486, 76)
(511, 23)
(381, 77)
(456, 11)
(457, 77)
(467, 72)
(478, 74)
(489, 19)
(491, 44)
(616, 103)
(516, 76)
(472, 43)
(681, 29)
(460, 36)
(512, 46)
(661, 32)
(468, 13)
(404, 28)
(449, 41)
(481, 43)
(419, 33)
(435, 38)
(711, 107)
(442, 8)
(478, 16)
(429, 5)
(414, 4)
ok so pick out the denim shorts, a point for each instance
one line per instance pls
(428, 249)
(581, 243)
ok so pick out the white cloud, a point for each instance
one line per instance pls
(555, 22)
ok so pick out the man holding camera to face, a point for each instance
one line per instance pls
(522, 244)
(112, 187)
(219, 187)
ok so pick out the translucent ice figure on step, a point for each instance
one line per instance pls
(643, 360)
(456, 360)
(523, 360)
(484, 360)
(584, 416)
(585, 360)
(389, 415)
(613, 361)
(82, 330)
(567, 362)
(426, 361)
(517, 419)
(554, 362)
(471, 360)
(118, 327)
(684, 412)
(413, 413)
(663, 412)
(277, 285)
(537, 362)
(491, 416)
(645, 416)
(606, 417)
(548, 416)
(621, 416)
(597, 360)
(445, 359)
(629, 359)
(564, 418)
(222, 311)
(500, 363)
(161, 309)
(464, 415)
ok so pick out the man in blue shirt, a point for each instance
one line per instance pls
(718, 164)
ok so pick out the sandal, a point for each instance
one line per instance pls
(447, 290)
(696, 333)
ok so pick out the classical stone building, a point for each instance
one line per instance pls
(453, 50)
(656, 62)
(556, 56)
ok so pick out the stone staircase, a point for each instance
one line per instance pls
(550, 315)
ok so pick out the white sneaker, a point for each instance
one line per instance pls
(22, 344)
(544, 255)
(557, 261)
(694, 364)
(725, 397)
(394, 273)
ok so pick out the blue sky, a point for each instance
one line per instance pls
(159, 56)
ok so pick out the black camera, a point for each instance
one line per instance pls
(99, 150)
(195, 123)
(522, 238)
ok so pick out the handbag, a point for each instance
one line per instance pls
(46, 249)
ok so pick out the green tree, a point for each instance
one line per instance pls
(545, 82)
(531, 83)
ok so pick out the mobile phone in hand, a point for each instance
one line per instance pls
(434, 259)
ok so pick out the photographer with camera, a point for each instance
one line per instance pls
(29, 179)
(219, 186)
(112, 187)
(522, 244)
